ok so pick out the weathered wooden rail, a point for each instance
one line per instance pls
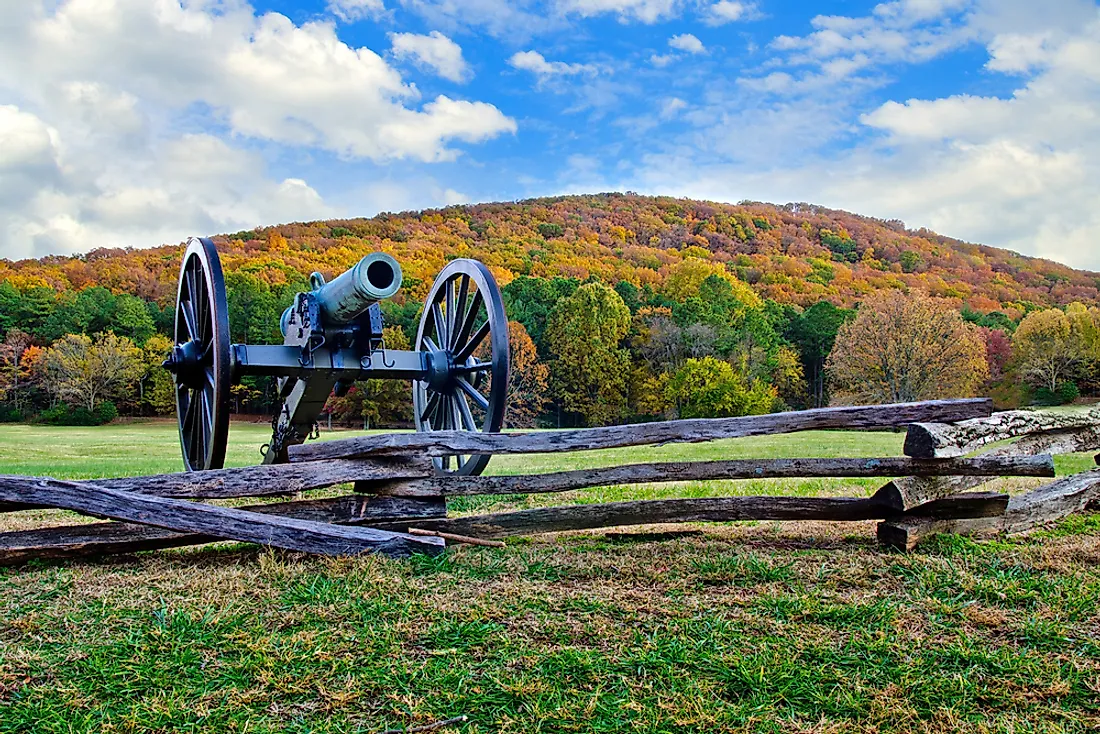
(399, 505)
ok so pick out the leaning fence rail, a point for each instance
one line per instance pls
(398, 498)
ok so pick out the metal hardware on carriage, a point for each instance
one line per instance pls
(333, 336)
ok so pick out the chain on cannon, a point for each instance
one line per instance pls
(332, 337)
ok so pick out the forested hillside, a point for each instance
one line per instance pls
(700, 308)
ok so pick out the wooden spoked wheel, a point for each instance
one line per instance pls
(464, 332)
(199, 362)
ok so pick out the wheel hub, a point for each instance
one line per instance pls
(441, 371)
(187, 364)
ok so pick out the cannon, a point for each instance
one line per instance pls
(332, 336)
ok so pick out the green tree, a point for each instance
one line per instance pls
(530, 301)
(712, 388)
(813, 333)
(911, 261)
(87, 311)
(254, 311)
(131, 319)
(27, 309)
(590, 369)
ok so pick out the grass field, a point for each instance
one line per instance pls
(772, 627)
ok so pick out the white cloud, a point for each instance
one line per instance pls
(645, 11)
(688, 43)
(672, 107)
(537, 64)
(108, 110)
(266, 76)
(353, 10)
(434, 51)
(193, 184)
(910, 31)
(662, 60)
(729, 11)
(512, 20)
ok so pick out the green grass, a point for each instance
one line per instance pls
(751, 627)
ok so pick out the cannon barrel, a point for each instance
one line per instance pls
(374, 278)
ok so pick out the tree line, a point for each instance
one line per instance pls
(702, 343)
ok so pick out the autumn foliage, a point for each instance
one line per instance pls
(905, 347)
(624, 307)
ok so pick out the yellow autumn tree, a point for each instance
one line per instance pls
(1052, 345)
(685, 277)
(84, 371)
(904, 347)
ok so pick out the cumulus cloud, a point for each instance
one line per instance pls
(729, 11)
(268, 77)
(909, 31)
(645, 11)
(687, 43)
(353, 10)
(511, 20)
(434, 51)
(102, 97)
(194, 183)
(537, 64)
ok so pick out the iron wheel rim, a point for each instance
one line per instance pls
(202, 325)
(464, 319)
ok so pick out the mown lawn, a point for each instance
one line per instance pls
(764, 627)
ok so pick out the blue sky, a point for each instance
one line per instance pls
(138, 122)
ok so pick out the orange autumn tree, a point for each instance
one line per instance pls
(528, 386)
(904, 347)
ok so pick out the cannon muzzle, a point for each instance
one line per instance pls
(374, 278)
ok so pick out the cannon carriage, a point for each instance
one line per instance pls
(332, 337)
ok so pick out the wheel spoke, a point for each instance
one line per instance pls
(206, 423)
(209, 371)
(465, 412)
(430, 344)
(448, 415)
(194, 295)
(469, 321)
(187, 311)
(205, 326)
(192, 283)
(191, 411)
(450, 298)
(431, 407)
(460, 305)
(190, 423)
(481, 401)
(469, 347)
(440, 324)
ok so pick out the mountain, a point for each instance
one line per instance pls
(796, 253)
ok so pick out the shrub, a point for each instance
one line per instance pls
(1068, 392)
(64, 415)
(549, 230)
(10, 414)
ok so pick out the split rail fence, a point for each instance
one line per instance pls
(399, 506)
